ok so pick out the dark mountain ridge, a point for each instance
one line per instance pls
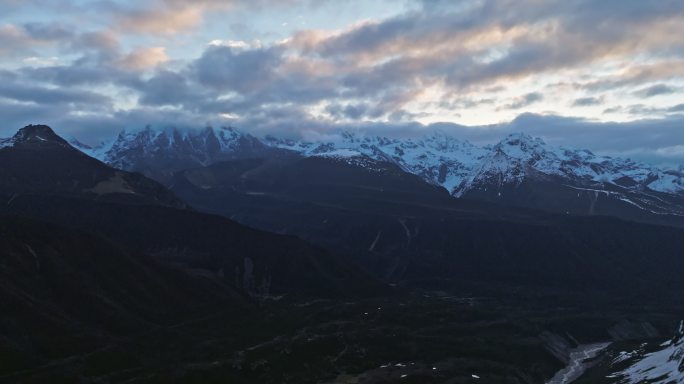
(38, 161)
(408, 231)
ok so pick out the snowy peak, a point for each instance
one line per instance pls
(519, 170)
(510, 161)
(161, 151)
(460, 166)
(520, 144)
(36, 132)
(521, 156)
(438, 158)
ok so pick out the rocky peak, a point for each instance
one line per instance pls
(37, 134)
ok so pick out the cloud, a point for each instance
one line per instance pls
(167, 88)
(19, 40)
(56, 96)
(525, 100)
(587, 101)
(231, 69)
(655, 90)
(676, 108)
(436, 60)
(142, 58)
(165, 20)
(171, 17)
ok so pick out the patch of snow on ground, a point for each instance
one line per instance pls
(661, 367)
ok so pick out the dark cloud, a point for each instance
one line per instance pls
(449, 55)
(230, 69)
(587, 101)
(347, 112)
(525, 100)
(615, 109)
(57, 96)
(166, 88)
(48, 32)
(655, 90)
(676, 108)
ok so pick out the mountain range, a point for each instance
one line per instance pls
(519, 170)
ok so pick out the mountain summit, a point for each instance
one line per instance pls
(38, 161)
(158, 153)
(34, 135)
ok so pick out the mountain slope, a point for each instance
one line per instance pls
(256, 262)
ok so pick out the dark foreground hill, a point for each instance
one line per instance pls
(64, 292)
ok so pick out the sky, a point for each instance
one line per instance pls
(607, 75)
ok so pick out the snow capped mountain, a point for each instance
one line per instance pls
(520, 156)
(661, 366)
(519, 170)
(204, 146)
(439, 159)
(460, 166)
(157, 152)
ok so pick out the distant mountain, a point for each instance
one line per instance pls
(37, 161)
(158, 153)
(519, 171)
(440, 159)
(523, 171)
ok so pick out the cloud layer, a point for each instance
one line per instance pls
(409, 67)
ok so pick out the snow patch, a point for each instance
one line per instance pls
(663, 366)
